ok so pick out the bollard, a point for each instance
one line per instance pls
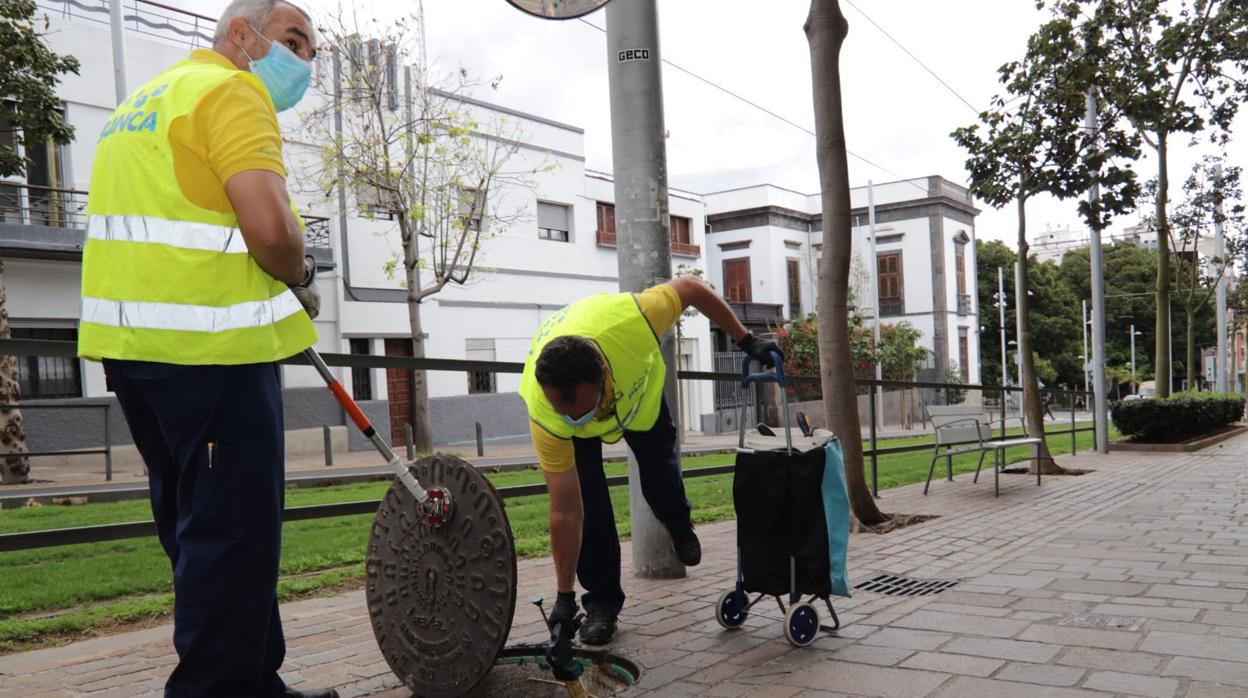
(407, 437)
(480, 441)
(329, 445)
(108, 449)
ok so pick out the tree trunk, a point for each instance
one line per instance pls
(825, 31)
(1161, 353)
(1032, 404)
(422, 427)
(14, 469)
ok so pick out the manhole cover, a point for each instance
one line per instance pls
(1093, 620)
(894, 585)
(442, 599)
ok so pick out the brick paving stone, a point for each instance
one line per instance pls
(907, 639)
(1174, 591)
(1132, 684)
(1212, 670)
(1084, 637)
(966, 686)
(1004, 649)
(872, 654)
(1199, 689)
(1047, 675)
(1200, 646)
(1111, 660)
(969, 625)
(1158, 612)
(862, 679)
(953, 663)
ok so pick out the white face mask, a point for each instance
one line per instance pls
(585, 418)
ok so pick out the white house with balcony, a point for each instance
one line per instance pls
(763, 244)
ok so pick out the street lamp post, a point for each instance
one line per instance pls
(1133, 388)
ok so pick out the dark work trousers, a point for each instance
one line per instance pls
(212, 439)
(658, 462)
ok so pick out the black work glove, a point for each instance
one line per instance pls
(563, 625)
(759, 349)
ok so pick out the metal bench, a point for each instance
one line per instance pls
(968, 429)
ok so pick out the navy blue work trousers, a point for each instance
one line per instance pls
(658, 461)
(212, 439)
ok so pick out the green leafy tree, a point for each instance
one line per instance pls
(989, 256)
(1168, 67)
(1130, 274)
(29, 74)
(1212, 197)
(1031, 142)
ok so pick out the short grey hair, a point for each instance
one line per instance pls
(256, 12)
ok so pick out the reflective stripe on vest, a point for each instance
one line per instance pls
(190, 318)
(165, 279)
(186, 235)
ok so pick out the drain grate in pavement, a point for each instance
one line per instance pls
(895, 585)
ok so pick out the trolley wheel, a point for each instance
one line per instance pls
(732, 609)
(801, 624)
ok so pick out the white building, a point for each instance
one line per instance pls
(764, 242)
(1052, 244)
(561, 248)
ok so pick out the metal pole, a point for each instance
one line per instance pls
(1085, 351)
(480, 441)
(1018, 333)
(639, 154)
(407, 439)
(1222, 362)
(875, 480)
(875, 300)
(1074, 433)
(1133, 358)
(328, 439)
(1005, 376)
(119, 51)
(1098, 307)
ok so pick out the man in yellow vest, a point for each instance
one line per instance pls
(594, 373)
(194, 283)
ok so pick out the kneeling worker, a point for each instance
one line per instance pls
(595, 373)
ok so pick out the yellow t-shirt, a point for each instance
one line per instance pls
(661, 306)
(232, 129)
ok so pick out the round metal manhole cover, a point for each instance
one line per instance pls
(442, 599)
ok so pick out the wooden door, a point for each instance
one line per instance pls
(399, 392)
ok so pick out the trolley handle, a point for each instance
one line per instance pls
(776, 376)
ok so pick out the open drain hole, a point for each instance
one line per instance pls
(521, 672)
(896, 585)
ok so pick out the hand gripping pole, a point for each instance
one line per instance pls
(435, 501)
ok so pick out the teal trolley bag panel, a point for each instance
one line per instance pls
(836, 512)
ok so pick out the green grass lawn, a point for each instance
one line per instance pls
(54, 594)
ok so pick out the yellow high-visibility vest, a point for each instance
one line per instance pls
(163, 279)
(615, 324)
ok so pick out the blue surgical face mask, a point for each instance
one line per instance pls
(285, 75)
(585, 418)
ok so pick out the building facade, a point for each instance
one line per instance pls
(759, 246)
(764, 243)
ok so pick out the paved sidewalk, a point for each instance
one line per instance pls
(1131, 580)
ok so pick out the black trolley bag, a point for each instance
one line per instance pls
(785, 491)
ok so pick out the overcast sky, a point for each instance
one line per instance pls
(896, 114)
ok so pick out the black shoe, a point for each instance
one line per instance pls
(765, 430)
(310, 693)
(688, 549)
(598, 628)
(804, 423)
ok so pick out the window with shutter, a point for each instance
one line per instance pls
(890, 283)
(552, 221)
(737, 279)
